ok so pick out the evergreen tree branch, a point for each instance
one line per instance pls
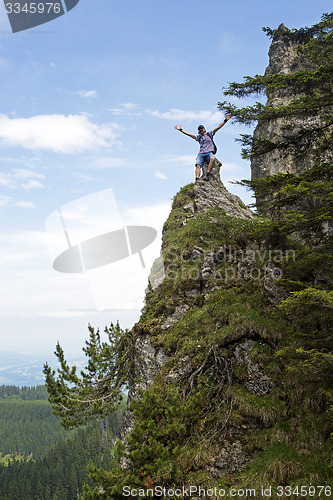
(97, 389)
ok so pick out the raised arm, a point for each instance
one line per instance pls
(179, 127)
(221, 124)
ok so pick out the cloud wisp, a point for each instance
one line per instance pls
(8, 201)
(181, 115)
(174, 114)
(160, 175)
(87, 94)
(22, 178)
(126, 108)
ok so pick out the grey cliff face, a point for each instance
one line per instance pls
(148, 361)
(284, 60)
(212, 194)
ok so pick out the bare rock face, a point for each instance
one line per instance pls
(257, 381)
(148, 361)
(284, 60)
(212, 193)
(230, 459)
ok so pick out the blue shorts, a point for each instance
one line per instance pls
(202, 157)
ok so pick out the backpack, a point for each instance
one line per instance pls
(215, 147)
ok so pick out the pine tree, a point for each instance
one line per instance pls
(296, 125)
(97, 390)
(306, 93)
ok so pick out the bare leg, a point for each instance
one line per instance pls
(210, 166)
(211, 163)
(197, 171)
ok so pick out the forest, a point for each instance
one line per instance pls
(39, 459)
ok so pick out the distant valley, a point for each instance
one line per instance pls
(25, 369)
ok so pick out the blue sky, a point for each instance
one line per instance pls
(89, 103)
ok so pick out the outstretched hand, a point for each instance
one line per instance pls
(178, 127)
(227, 117)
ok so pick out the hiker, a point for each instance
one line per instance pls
(207, 147)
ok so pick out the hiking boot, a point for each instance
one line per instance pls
(206, 177)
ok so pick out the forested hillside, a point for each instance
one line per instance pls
(26, 393)
(39, 459)
(27, 427)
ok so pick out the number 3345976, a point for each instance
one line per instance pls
(33, 8)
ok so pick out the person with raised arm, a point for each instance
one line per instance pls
(207, 147)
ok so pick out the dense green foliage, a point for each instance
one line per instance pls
(27, 426)
(308, 92)
(298, 203)
(61, 473)
(77, 397)
(24, 393)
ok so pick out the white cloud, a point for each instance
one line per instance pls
(5, 200)
(32, 184)
(129, 105)
(58, 133)
(160, 175)
(25, 204)
(182, 159)
(5, 180)
(174, 114)
(25, 174)
(125, 108)
(181, 115)
(82, 177)
(87, 94)
(21, 178)
(29, 161)
(33, 287)
(62, 314)
(28, 179)
(148, 215)
(110, 162)
(21, 247)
